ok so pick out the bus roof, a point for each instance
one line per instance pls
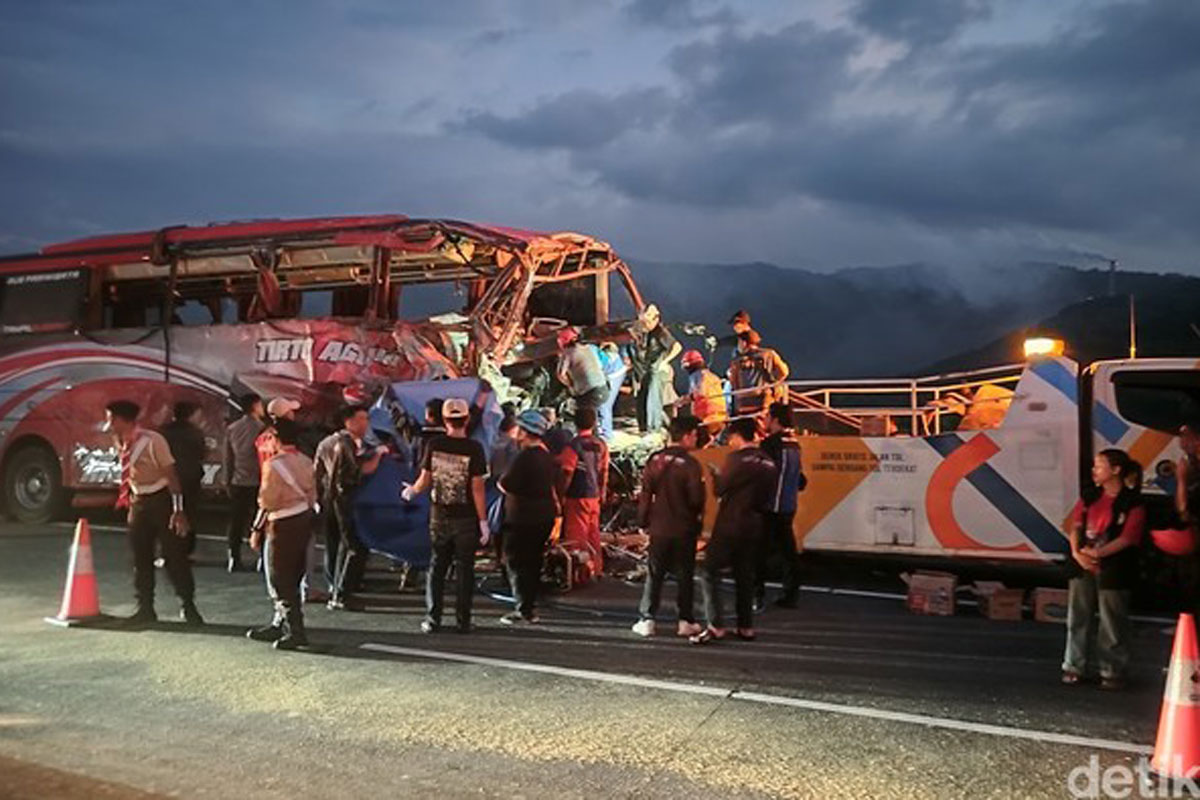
(387, 230)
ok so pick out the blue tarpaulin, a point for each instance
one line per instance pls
(385, 522)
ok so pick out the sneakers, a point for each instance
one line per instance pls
(1070, 677)
(515, 618)
(644, 627)
(429, 626)
(688, 628)
(1112, 683)
(267, 633)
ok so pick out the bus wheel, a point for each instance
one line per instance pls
(33, 490)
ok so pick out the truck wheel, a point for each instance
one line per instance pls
(33, 490)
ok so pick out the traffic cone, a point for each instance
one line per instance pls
(81, 596)
(1177, 750)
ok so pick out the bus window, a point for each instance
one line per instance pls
(620, 302)
(198, 312)
(1158, 399)
(43, 301)
(423, 300)
(130, 307)
(572, 301)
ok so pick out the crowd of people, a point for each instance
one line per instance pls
(285, 484)
(288, 487)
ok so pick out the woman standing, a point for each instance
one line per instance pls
(530, 508)
(1107, 526)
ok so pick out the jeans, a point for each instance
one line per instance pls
(650, 412)
(604, 414)
(738, 552)
(352, 552)
(453, 542)
(524, 550)
(150, 527)
(1098, 628)
(780, 539)
(676, 554)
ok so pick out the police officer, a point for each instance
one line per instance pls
(285, 500)
(151, 491)
(743, 486)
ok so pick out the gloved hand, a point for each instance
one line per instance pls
(485, 533)
(407, 494)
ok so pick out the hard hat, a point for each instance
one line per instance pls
(693, 358)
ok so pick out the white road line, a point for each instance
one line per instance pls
(944, 723)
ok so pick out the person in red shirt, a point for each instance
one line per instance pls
(1106, 530)
(582, 485)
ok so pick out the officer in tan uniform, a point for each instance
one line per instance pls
(284, 526)
(151, 492)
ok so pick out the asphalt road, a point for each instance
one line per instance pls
(847, 696)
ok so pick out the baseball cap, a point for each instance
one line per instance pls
(533, 422)
(282, 405)
(455, 408)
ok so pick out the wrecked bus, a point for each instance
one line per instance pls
(322, 310)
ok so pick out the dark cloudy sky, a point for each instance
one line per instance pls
(821, 134)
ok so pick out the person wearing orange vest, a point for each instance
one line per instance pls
(756, 367)
(706, 394)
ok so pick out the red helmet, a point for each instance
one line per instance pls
(568, 335)
(693, 358)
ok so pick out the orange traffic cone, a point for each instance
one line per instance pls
(1177, 751)
(81, 596)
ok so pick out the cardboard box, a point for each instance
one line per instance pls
(997, 601)
(931, 593)
(1049, 605)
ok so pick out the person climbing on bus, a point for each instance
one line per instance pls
(706, 393)
(653, 350)
(1106, 528)
(579, 369)
(754, 368)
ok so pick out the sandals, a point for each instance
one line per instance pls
(1071, 678)
(707, 635)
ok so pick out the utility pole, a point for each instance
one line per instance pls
(1132, 328)
(1112, 277)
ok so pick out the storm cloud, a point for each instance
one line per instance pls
(822, 134)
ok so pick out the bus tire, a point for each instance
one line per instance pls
(33, 490)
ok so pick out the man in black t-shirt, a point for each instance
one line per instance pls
(453, 469)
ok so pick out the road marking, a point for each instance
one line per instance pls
(943, 723)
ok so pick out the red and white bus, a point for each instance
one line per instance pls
(304, 308)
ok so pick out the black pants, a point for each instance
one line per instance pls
(593, 398)
(677, 555)
(286, 558)
(243, 506)
(150, 527)
(352, 552)
(736, 551)
(524, 551)
(191, 507)
(778, 538)
(453, 543)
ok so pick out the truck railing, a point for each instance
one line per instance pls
(922, 402)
